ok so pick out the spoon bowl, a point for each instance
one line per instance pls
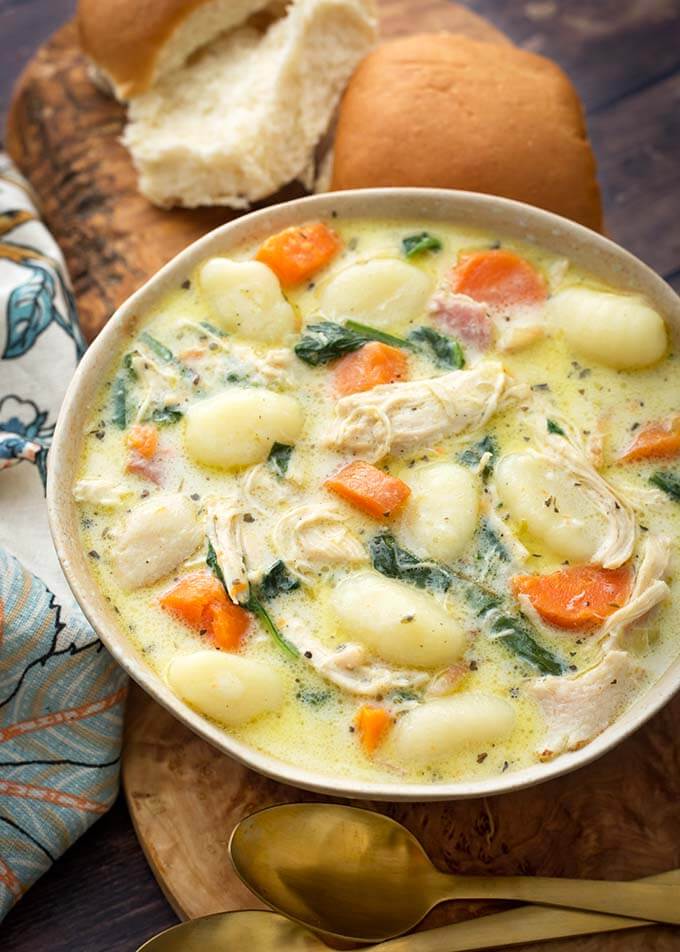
(251, 929)
(355, 874)
(341, 870)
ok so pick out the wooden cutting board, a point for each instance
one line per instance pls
(617, 818)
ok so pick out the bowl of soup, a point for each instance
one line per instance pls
(379, 492)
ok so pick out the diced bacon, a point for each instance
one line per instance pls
(146, 468)
(463, 317)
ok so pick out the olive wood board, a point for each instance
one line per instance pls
(617, 818)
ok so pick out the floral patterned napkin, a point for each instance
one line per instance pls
(61, 695)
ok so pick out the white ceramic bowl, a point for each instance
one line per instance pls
(585, 248)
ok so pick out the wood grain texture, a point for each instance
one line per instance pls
(619, 817)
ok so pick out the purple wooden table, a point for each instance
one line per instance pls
(624, 56)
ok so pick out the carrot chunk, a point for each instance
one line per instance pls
(498, 278)
(199, 600)
(372, 723)
(297, 253)
(369, 489)
(373, 364)
(578, 597)
(143, 439)
(655, 441)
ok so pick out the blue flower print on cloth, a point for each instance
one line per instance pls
(40, 343)
(61, 713)
(61, 694)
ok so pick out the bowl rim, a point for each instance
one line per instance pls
(513, 220)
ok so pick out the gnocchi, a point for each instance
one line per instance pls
(402, 625)
(227, 688)
(379, 526)
(385, 293)
(245, 298)
(429, 732)
(442, 511)
(545, 501)
(156, 536)
(617, 330)
(239, 427)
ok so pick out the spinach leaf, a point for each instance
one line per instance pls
(516, 635)
(127, 364)
(414, 245)
(213, 564)
(472, 456)
(279, 458)
(669, 482)
(490, 551)
(391, 560)
(254, 606)
(327, 341)
(372, 333)
(508, 626)
(553, 427)
(511, 628)
(212, 329)
(446, 351)
(515, 632)
(166, 416)
(119, 390)
(277, 581)
(166, 355)
(160, 350)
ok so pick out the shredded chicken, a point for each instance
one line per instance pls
(649, 589)
(267, 368)
(262, 489)
(638, 497)
(313, 536)
(347, 667)
(100, 492)
(224, 528)
(579, 708)
(568, 453)
(158, 381)
(447, 681)
(403, 416)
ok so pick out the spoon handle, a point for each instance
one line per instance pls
(635, 900)
(526, 924)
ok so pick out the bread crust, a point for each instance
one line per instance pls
(445, 111)
(125, 37)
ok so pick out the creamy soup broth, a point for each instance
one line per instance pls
(389, 624)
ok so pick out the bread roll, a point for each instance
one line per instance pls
(134, 43)
(242, 118)
(445, 111)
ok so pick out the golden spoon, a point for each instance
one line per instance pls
(358, 875)
(267, 932)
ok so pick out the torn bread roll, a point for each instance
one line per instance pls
(227, 100)
(134, 43)
(445, 111)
